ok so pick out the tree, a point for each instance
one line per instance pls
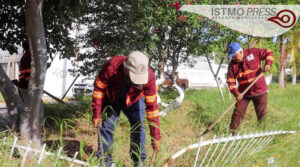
(157, 28)
(282, 63)
(108, 33)
(29, 125)
(59, 18)
(293, 49)
(217, 51)
(283, 52)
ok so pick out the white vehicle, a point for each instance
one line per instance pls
(85, 87)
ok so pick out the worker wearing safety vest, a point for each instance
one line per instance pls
(127, 84)
(24, 77)
(24, 67)
(244, 67)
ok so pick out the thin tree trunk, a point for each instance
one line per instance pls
(12, 99)
(294, 79)
(228, 92)
(281, 63)
(161, 64)
(175, 67)
(216, 77)
(35, 30)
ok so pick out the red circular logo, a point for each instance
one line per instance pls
(284, 18)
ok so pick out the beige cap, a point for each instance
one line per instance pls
(137, 65)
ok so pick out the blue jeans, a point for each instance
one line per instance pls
(135, 114)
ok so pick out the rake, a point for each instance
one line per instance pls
(229, 108)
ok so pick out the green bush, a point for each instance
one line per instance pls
(168, 94)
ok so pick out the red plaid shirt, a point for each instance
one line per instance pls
(110, 78)
(247, 70)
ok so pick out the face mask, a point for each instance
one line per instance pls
(129, 83)
(139, 87)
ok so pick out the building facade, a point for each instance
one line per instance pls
(10, 64)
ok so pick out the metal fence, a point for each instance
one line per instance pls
(42, 154)
(223, 151)
(226, 151)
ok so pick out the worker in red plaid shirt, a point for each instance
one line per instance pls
(244, 67)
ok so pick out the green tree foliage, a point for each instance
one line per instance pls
(25, 19)
(157, 28)
(267, 43)
(293, 49)
(58, 19)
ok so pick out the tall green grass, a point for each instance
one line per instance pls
(283, 110)
(283, 114)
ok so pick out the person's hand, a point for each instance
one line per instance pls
(156, 145)
(239, 97)
(267, 68)
(97, 122)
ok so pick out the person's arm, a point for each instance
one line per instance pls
(100, 85)
(266, 54)
(231, 81)
(152, 110)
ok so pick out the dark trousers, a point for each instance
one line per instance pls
(135, 114)
(260, 104)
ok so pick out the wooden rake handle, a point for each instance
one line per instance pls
(153, 158)
(101, 144)
(228, 109)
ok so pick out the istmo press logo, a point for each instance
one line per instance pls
(255, 20)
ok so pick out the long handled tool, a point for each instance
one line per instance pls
(228, 109)
(101, 145)
(153, 158)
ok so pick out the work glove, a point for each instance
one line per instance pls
(239, 97)
(155, 145)
(97, 122)
(267, 68)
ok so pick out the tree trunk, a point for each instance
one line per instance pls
(12, 99)
(216, 77)
(175, 58)
(30, 126)
(161, 64)
(294, 79)
(175, 67)
(228, 92)
(281, 63)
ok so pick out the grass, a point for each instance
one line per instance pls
(283, 113)
(70, 126)
(1, 98)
